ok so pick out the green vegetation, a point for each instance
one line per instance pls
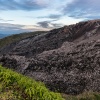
(83, 96)
(14, 86)
(17, 37)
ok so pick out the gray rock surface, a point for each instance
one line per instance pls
(65, 59)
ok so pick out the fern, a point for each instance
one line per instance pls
(25, 87)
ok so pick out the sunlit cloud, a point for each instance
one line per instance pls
(18, 16)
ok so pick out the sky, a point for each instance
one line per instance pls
(17, 16)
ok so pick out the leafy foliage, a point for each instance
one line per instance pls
(14, 86)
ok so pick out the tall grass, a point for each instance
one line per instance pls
(89, 95)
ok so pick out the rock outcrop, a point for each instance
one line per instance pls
(65, 59)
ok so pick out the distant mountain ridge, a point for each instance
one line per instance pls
(16, 37)
(3, 35)
(65, 59)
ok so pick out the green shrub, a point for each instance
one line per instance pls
(24, 87)
(14, 86)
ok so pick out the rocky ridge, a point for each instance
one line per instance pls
(65, 59)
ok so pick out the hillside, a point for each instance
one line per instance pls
(67, 59)
(16, 37)
(3, 35)
(14, 86)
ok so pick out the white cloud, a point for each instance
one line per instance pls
(17, 28)
(89, 9)
(41, 2)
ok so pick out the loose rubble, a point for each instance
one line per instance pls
(67, 59)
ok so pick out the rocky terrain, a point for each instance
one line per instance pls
(67, 59)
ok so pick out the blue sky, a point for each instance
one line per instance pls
(18, 16)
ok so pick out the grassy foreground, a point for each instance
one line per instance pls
(84, 96)
(14, 86)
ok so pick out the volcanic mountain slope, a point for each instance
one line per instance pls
(16, 37)
(65, 59)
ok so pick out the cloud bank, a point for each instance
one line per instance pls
(23, 4)
(89, 9)
(49, 24)
(45, 14)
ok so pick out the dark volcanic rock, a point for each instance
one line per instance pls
(65, 59)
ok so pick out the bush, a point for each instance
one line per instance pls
(24, 88)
